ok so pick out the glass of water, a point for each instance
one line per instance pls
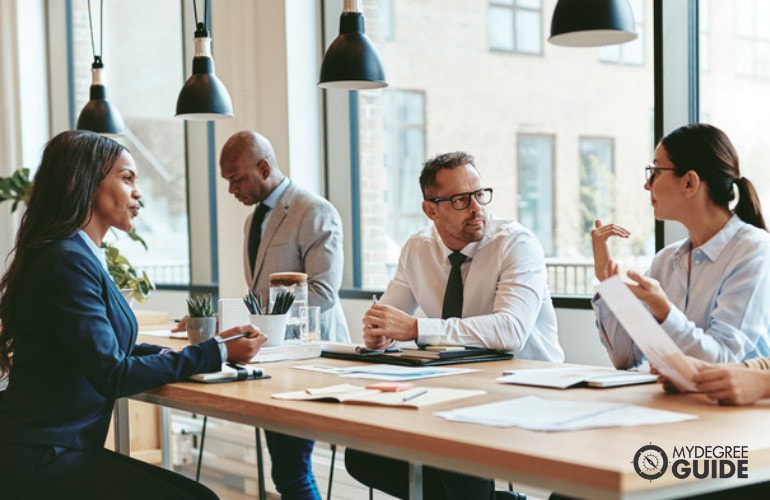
(310, 323)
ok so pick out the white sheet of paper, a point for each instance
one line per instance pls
(165, 333)
(535, 413)
(648, 335)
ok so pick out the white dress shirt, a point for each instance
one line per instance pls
(720, 312)
(507, 304)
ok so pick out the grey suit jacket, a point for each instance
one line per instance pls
(303, 234)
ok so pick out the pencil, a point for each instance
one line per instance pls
(410, 397)
(236, 337)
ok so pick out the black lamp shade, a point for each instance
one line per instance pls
(203, 96)
(351, 61)
(99, 115)
(592, 23)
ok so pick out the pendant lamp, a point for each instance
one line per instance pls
(592, 23)
(99, 115)
(351, 61)
(203, 96)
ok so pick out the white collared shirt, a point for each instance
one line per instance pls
(506, 301)
(720, 312)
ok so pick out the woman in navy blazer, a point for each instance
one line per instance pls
(68, 339)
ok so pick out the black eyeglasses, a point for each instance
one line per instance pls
(461, 201)
(650, 171)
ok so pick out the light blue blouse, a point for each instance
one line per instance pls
(720, 312)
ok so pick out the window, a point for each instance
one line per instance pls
(535, 181)
(515, 26)
(752, 38)
(405, 152)
(497, 109)
(732, 102)
(704, 35)
(597, 185)
(154, 137)
(631, 53)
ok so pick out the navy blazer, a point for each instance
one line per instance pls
(75, 352)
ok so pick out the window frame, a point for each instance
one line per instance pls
(515, 8)
(674, 26)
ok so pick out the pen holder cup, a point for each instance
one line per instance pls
(273, 326)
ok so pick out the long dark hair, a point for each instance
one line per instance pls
(709, 152)
(60, 202)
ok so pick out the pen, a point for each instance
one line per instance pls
(413, 395)
(236, 337)
(375, 300)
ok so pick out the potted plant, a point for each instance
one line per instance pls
(134, 286)
(202, 324)
(17, 187)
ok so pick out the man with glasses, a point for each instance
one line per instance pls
(480, 282)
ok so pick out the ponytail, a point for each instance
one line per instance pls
(748, 207)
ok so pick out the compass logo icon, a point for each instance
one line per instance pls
(650, 461)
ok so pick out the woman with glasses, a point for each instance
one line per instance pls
(711, 291)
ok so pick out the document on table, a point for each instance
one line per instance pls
(348, 393)
(648, 335)
(165, 333)
(539, 414)
(563, 378)
(387, 372)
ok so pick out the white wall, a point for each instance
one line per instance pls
(261, 49)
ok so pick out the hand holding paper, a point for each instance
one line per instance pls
(662, 352)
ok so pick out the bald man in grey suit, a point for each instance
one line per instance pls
(301, 232)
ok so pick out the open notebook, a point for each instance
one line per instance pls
(348, 393)
(563, 378)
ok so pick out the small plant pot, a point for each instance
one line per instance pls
(200, 329)
(273, 326)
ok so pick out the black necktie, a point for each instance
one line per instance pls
(255, 232)
(453, 296)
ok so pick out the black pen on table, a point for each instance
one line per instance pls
(413, 395)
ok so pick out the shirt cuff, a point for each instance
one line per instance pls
(429, 331)
(222, 348)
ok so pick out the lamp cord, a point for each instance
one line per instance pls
(101, 29)
(205, 12)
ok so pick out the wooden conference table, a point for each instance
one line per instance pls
(594, 463)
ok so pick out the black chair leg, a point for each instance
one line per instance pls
(200, 449)
(331, 472)
(260, 466)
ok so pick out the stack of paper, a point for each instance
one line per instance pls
(532, 412)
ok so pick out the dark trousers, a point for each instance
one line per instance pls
(292, 467)
(392, 477)
(45, 472)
